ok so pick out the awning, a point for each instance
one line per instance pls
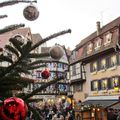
(104, 103)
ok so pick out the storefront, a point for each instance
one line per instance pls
(98, 108)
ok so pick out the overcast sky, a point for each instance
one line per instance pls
(57, 15)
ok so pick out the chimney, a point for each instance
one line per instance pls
(98, 27)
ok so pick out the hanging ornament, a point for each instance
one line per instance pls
(13, 109)
(56, 52)
(30, 12)
(45, 74)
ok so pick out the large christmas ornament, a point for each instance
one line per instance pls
(30, 12)
(45, 74)
(13, 109)
(56, 52)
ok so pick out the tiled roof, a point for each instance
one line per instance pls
(4, 39)
(21, 31)
(36, 37)
(105, 28)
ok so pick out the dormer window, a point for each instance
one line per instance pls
(89, 48)
(107, 39)
(98, 44)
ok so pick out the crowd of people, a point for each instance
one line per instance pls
(56, 111)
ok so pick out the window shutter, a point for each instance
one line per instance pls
(92, 86)
(99, 64)
(109, 83)
(91, 67)
(99, 84)
(108, 62)
(117, 57)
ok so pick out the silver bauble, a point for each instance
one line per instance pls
(30, 13)
(56, 52)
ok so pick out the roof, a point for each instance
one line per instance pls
(4, 38)
(21, 31)
(105, 28)
(36, 37)
(104, 101)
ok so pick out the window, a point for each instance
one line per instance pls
(38, 74)
(114, 82)
(98, 44)
(74, 55)
(113, 61)
(107, 39)
(73, 70)
(104, 84)
(89, 48)
(93, 67)
(103, 64)
(94, 85)
(77, 87)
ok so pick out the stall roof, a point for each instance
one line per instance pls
(105, 101)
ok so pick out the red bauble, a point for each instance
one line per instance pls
(13, 109)
(45, 74)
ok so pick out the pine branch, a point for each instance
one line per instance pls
(35, 112)
(17, 44)
(12, 66)
(3, 16)
(21, 69)
(36, 67)
(17, 80)
(50, 37)
(42, 87)
(5, 58)
(7, 3)
(45, 61)
(26, 48)
(38, 55)
(11, 27)
(12, 50)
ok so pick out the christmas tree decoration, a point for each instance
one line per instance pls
(30, 12)
(56, 52)
(23, 64)
(45, 74)
(13, 109)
